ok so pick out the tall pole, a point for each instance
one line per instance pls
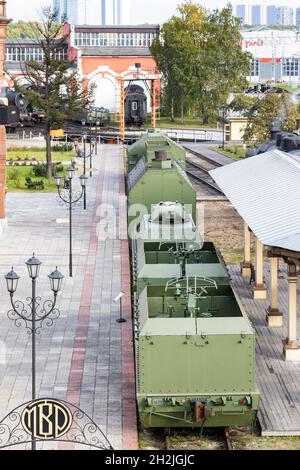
(84, 170)
(33, 308)
(70, 231)
(223, 144)
(4, 21)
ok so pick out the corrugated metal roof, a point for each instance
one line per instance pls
(265, 190)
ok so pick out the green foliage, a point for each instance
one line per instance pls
(53, 82)
(200, 57)
(262, 111)
(21, 30)
(14, 176)
(62, 147)
(40, 171)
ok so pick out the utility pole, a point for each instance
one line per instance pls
(3, 33)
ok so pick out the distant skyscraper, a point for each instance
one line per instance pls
(271, 15)
(285, 16)
(244, 13)
(298, 16)
(256, 15)
(115, 12)
(61, 7)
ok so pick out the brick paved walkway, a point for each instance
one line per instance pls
(86, 357)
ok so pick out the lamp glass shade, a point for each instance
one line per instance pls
(56, 278)
(83, 180)
(58, 180)
(33, 266)
(71, 172)
(12, 280)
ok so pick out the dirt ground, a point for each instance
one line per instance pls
(225, 228)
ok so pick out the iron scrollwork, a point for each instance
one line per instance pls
(83, 430)
(45, 313)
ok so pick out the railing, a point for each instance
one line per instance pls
(178, 135)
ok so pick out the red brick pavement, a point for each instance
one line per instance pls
(129, 416)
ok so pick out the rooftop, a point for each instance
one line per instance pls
(265, 190)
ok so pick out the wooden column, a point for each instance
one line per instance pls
(246, 267)
(259, 291)
(122, 109)
(274, 317)
(153, 104)
(291, 345)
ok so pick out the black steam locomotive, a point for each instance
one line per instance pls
(135, 105)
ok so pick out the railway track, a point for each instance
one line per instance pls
(200, 174)
(225, 436)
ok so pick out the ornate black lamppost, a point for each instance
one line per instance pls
(37, 312)
(85, 156)
(70, 197)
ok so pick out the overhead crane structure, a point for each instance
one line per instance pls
(151, 78)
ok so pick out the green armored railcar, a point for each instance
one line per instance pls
(156, 180)
(195, 346)
(153, 142)
(194, 371)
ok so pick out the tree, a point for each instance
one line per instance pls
(200, 56)
(53, 82)
(263, 111)
(21, 30)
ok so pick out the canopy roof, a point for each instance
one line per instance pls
(265, 190)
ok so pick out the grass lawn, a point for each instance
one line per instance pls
(189, 124)
(39, 154)
(233, 151)
(16, 180)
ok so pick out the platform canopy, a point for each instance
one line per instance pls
(265, 190)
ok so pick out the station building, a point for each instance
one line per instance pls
(105, 56)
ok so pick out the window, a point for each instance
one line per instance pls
(254, 72)
(134, 106)
(290, 67)
(114, 39)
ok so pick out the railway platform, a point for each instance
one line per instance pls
(204, 150)
(278, 380)
(86, 357)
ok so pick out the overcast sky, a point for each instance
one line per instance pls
(142, 11)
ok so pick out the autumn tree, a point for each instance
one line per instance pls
(200, 56)
(53, 82)
(263, 111)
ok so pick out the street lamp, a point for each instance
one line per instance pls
(223, 111)
(69, 197)
(84, 156)
(37, 311)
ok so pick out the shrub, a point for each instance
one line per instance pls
(62, 147)
(14, 176)
(40, 170)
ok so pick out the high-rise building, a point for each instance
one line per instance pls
(61, 7)
(298, 16)
(115, 12)
(256, 15)
(244, 13)
(271, 15)
(284, 16)
(94, 12)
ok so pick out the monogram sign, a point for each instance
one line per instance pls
(46, 419)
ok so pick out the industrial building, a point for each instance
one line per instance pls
(276, 54)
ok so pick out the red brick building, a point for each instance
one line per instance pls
(105, 55)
